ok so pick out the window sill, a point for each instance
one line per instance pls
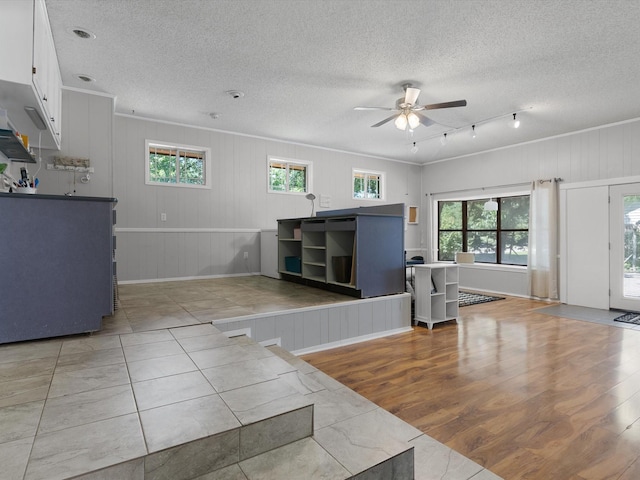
(489, 266)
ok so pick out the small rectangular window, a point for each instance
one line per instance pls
(368, 185)
(177, 165)
(289, 176)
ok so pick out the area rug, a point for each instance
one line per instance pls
(629, 317)
(467, 298)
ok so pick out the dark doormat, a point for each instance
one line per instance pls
(629, 317)
(467, 298)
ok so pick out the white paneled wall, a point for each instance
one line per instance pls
(87, 126)
(604, 155)
(225, 219)
(172, 253)
(317, 328)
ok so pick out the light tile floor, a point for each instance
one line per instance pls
(593, 315)
(161, 393)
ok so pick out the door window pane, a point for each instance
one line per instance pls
(631, 283)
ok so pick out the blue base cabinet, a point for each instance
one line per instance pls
(358, 254)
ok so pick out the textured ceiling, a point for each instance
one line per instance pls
(305, 64)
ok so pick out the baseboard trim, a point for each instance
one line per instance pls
(184, 279)
(351, 341)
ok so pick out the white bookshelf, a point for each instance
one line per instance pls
(436, 289)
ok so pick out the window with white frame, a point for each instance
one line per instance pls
(368, 184)
(177, 165)
(288, 176)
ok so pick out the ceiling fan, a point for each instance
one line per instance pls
(408, 109)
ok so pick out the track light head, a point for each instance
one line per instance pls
(515, 123)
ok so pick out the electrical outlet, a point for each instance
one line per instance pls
(163, 217)
(246, 255)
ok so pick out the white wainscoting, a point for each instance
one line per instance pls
(503, 279)
(311, 329)
(181, 253)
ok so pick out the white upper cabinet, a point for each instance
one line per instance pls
(29, 70)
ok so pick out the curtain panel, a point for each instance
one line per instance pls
(543, 239)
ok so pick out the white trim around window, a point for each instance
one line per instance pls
(367, 176)
(203, 153)
(290, 170)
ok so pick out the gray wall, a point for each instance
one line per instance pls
(206, 231)
(87, 126)
(602, 155)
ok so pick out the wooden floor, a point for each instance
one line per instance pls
(526, 395)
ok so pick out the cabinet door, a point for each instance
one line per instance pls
(54, 94)
(16, 36)
(46, 79)
(41, 53)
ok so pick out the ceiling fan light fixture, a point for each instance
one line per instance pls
(413, 120)
(401, 122)
(515, 123)
(411, 95)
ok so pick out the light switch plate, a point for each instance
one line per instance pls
(325, 201)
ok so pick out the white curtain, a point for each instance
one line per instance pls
(543, 239)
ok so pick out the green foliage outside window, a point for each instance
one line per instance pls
(367, 185)
(297, 179)
(631, 233)
(278, 177)
(287, 177)
(493, 236)
(176, 166)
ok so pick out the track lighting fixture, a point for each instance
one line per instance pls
(515, 123)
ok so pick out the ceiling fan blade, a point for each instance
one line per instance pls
(388, 119)
(426, 121)
(411, 95)
(456, 103)
(373, 108)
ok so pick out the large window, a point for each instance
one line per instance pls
(494, 236)
(289, 176)
(368, 185)
(177, 165)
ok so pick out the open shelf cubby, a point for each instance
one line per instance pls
(436, 290)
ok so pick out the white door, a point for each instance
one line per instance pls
(587, 247)
(625, 247)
